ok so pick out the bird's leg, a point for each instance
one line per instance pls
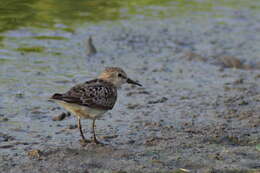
(81, 132)
(94, 134)
(80, 129)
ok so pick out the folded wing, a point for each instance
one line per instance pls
(94, 94)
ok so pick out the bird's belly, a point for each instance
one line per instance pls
(82, 111)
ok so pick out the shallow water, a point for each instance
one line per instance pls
(42, 51)
(49, 14)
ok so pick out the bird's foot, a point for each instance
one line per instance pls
(98, 142)
(84, 142)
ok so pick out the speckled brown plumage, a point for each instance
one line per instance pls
(96, 93)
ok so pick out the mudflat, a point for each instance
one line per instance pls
(198, 109)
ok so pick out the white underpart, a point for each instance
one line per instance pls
(82, 111)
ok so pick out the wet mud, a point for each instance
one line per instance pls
(198, 109)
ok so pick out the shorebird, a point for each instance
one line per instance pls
(90, 100)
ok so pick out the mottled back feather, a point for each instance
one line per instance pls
(96, 93)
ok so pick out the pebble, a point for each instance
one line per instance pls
(91, 50)
(6, 146)
(191, 56)
(132, 106)
(4, 119)
(34, 153)
(72, 126)
(161, 100)
(231, 62)
(61, 117)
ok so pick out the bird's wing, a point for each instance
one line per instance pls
(94, 94)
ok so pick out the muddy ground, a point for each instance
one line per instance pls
(198, 109)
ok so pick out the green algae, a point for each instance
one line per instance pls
(48, 13)
(71, 30)
(4, 60)
(49, 38)
(56, 53)
(35, 49)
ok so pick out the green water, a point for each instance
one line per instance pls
(48, 13)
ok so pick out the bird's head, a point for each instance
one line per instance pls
(117, 76)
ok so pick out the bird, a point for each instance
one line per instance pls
(92, 99)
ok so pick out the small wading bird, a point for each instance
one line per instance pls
(90, 100)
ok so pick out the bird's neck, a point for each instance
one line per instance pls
(110, 80)
(105, 78)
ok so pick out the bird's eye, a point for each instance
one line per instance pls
(120, 75)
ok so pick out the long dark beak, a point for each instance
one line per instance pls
(132, 82)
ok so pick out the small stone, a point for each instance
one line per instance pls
(5, 137)
(60, 117)
(34, 153)
(257, 76)
(137, 93)
(71, 126)
(243, 102)
(231, 62)
(151, 142)
(91, 50)
(248, 66)
(19, 95)
(109, 137)
(4, 119)
(161, 100)
(239, 81)
(191, 56)
(155, 161)
(131, 141)
(132, 106)
(6, 146)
